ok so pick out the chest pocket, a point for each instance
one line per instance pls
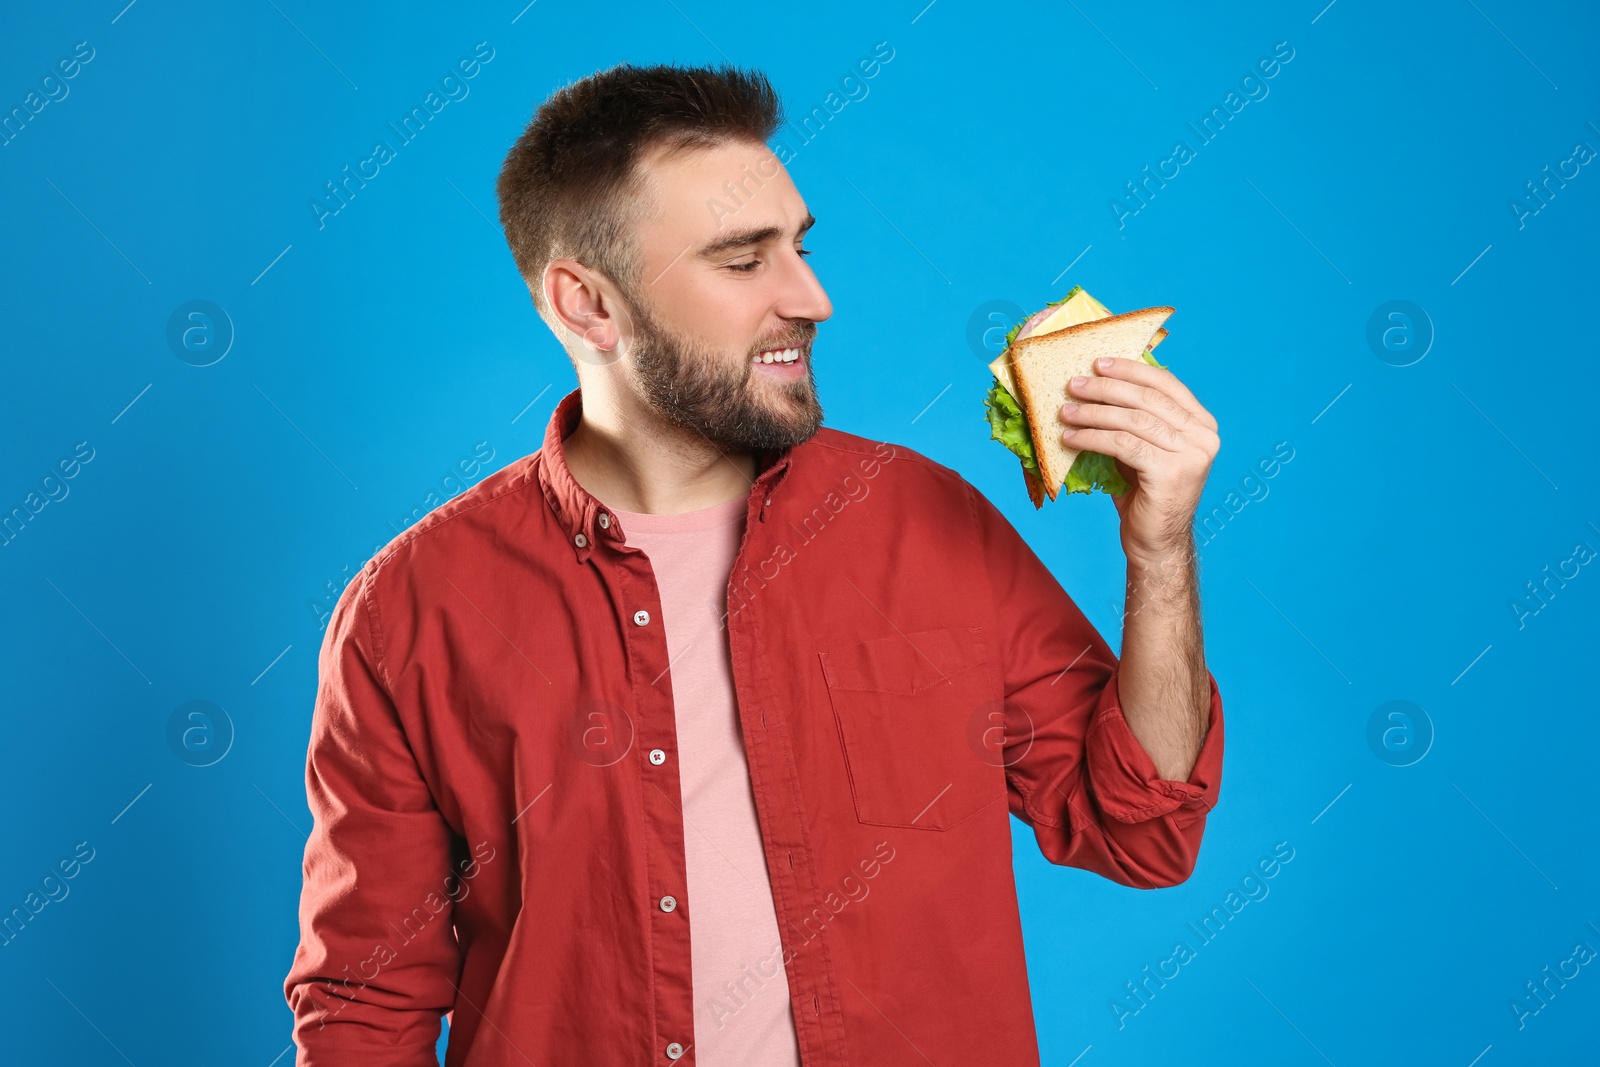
(910, 710)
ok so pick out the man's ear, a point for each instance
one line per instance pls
(587, 305)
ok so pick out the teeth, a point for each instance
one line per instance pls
(783, 355)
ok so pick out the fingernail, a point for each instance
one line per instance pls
(1077, 383)
(1068, 408)
(1103, 362)
(1068, 433)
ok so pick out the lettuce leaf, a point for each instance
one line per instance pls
(1089, 472)
(1008, 425)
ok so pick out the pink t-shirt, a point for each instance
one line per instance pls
(741, 991)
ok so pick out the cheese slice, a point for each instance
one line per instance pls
(1080, 307)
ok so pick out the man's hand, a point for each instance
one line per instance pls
(1162, 441)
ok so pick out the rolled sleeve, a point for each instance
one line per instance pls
(1075, 773)
(378, 957)
(1124, 779)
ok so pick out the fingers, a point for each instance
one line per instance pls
(1099, 390)
(1137, 421)
(1139, 373)
(1125, 445)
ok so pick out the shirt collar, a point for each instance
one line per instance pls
(585, 520)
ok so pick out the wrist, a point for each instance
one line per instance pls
(1170, 555)
(1162, 580)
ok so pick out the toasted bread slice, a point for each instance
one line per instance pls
(1030, 475)
(1043, 364)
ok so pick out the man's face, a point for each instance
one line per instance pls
(723, 291)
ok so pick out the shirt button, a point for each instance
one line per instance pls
(674, 1050)
(605, 521)
(669, 903)
(657, 756)
(640, 617)
(580, 540)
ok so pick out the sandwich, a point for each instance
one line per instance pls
(1042, 354)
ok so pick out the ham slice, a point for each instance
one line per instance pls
(1033, 321)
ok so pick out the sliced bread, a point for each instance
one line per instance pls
(1042, 366)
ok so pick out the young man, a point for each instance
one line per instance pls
(693, 737)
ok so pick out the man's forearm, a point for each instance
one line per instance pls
(1162, 683)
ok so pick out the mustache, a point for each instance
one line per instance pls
(804, 338)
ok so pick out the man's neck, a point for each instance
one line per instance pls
(632, 461)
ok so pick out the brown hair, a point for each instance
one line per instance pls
(570, 186)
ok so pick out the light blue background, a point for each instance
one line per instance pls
(188, 559)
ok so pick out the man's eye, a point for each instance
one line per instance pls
(746, 268)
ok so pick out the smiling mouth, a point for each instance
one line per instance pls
(779, 355)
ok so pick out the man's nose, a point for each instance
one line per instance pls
(803, 296)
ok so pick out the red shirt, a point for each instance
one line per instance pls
(497, 808)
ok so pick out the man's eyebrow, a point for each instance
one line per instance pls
(750, 236)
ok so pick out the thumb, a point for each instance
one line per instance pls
(1129, 475)
(1126, 471)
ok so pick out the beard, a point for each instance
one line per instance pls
(691, 386)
